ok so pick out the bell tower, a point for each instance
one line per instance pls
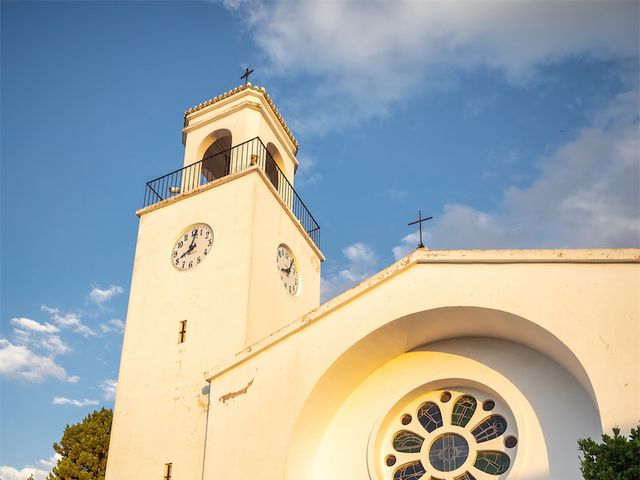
(227, 253)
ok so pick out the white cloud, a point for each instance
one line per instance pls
(18, 361)
(31, 354)
(21, 337)
(587, 195)
(99, 296)
(49, 310)
(361, 263)
(108, 387)
(32, 325)
(359, 253)
(74, 402)
(11, 473)
(307, 173)
(33, 334)
(54, 344)
(113, 325)
(69, 321)
(51, 461)
(353, 52)
(36, 335)
(407, 245)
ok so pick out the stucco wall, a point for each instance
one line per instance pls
(550, 409)
(578, 309)
(228, 302)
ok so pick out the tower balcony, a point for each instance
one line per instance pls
(249, 154)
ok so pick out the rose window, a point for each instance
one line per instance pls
(448, 435)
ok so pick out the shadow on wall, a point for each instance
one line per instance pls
(427, 327)
(562, 407)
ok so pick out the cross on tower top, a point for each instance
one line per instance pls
(247, 72)
(419, 222)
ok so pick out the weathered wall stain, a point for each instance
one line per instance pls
(231, 395)
(202, 403)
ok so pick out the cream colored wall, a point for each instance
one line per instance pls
(270, 305)
(573, 307)
(160, 406)
(549, 407)
(247, 115)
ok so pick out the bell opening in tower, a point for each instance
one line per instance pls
(216, 161)
(273, 164)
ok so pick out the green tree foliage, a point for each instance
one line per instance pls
(616, 458)
(84, 447)
(31, 477)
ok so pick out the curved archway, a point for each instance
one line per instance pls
(273, 164)
(411, 333)
(215, 154)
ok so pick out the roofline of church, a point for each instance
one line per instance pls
(426, 256)
(237, 90)
(577, 255)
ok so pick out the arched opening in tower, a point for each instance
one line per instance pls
(274, 165)
(216, 161)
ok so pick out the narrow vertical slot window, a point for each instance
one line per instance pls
(182, 333)
(167, 471)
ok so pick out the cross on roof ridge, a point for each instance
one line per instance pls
(419, 222)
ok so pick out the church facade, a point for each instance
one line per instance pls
(447, 365)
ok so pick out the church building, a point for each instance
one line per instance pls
(447, 365)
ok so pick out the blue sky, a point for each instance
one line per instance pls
(514, 124)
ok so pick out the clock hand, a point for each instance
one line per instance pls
(193, 244)
(190, 249)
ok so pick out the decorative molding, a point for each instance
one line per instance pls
(237, 90)
(421, 258)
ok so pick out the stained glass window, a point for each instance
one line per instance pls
(510, 441)
(490, 428)
(448, 452)
(429, 416)
(407, 442)
(463, 410)
(488, 405)
(410, 471)
(494, 463)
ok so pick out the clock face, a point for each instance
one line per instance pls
(288, 269)
(192, 247)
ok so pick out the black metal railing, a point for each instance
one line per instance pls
(251, 153)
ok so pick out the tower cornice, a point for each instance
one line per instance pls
(241, 88)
